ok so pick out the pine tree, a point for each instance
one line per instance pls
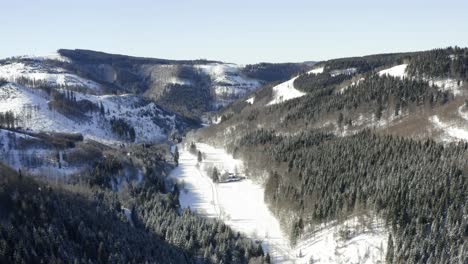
(390, 249)
(176, 156)
(215, 175)
(199, 158)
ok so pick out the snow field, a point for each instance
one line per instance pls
(285, 91)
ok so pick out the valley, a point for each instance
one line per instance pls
(349, 160)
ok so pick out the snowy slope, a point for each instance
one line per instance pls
(444, 84)
(396, 71)
(32, 106)
(451, 132)
(241, 206)
(40, 160)
(358, 240)
(317, 70)
(228, 81)
(36, 71)
(51, 56)
(285, 91)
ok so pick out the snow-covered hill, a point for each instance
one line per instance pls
(285, 91)
(228, 82)
(32, 106)
(36, 72)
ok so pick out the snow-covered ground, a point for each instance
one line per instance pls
(241, 206)
(50, 56)
(316, 70)
(451, 132)
(395, 71)
(285, 91)
(37, 72)
(357, 240)
(34, 160)
(32, 106)
(228, 81)
(251, 100)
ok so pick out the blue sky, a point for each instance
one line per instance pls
(241, 31)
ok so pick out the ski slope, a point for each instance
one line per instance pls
(241, 206)
(396, 71)
(285, 91)
(238, 204)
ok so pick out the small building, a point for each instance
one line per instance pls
(226, 176)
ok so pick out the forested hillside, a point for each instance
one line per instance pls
(332, 153)
(87, 222)
(419, 188)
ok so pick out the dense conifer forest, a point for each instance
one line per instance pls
(316, 175)
(419, 188)
(450, 62)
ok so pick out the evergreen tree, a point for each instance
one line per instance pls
(176, 156)
(199, 156)
(215, 175)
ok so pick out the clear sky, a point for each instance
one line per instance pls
(241, 31)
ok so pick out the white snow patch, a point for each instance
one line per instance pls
(452, 132)
(447, 84)
(51, 56)
(285, 91)
(316, 70)
(251, 100)
(348, 71)
(395, 71)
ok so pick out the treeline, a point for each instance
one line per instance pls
(123, 129)
(440, 63)
(273, 72)
(419, 188)
(9, 120)
(66, 103)
(365, 63)
(313, 82)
